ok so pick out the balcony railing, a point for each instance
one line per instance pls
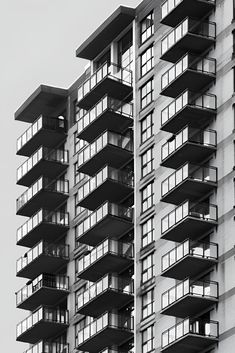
(58, 282)
(203, 328)
(42, 248)
(48, 347)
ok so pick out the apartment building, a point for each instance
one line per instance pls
(129, 241)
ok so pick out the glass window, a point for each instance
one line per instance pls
(77, 176)
(125, 51)
(146, 93)
(146, 27)
(78, 143)
(147, 230)
(78, 209)
(148, 340)
(147, 197)
(147, 268)
(147, 127)
(147, 162)
(148, 304)
(146, 61)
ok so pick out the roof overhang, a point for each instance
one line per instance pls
(106, 33)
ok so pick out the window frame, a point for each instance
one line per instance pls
(149, 93)
(148, 127)
(151, 60)
(147, 272)
(148, 343)
(145, 307)
(149, 234)
(144, 21)
(147, 200)
(147, 166)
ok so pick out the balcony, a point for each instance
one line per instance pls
(43, 193)
(107, 330)
(47, 162)
(189, 298)
(189, 145)
(110, 292)
(191, 336)
(48, 347)
(188, 109)
(45, 225)
(42, 324)
(190, 72)
(108, 114)
(190, 182)
(174, 11)
(42, 258)
(189, 221)
(108, 184)
(110, 256)
(111, 79)
(43, 290)
(110, 148)
(189, 259)
(45, 131)
(189, 36)
(108, 220)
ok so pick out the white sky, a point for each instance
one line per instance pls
(38, 40)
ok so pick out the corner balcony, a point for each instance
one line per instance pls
(189, 298)
(190, 182)
(45, 131)
(43, 193)
(47, 162)
(189, 145)
(108, 220)
(107, 330)
(42, 324)
(45, 225)
(189, 259)
(48, 347)
(111, 79)
(189, 221)
(110, 292)
(174, 11)
(110, 148)
(190, 335)
(189, 36)
(108, 184)
(108, 114)
(42, 258)
(188, 109)
(43, 290)
(190, 72)
(110, 256)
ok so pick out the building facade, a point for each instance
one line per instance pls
(129, 176)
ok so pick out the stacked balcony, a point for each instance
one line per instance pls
(48, 347)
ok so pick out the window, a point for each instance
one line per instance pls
(125, 51)
(78, 143)
(146, 94)
(147, 268)
(148, 304)
(77, 294)
(147, 162)
(147, 197)
(79, 113)
(146, 28)
(147, 127)
(77, 176)
(148, 340)
(78, 209)
(146, 61)
(147, 230)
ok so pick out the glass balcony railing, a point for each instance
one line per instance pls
(58, 217)
(42, 248)
(107, 320)
(102, 212)
(188, 62)
(43, 122)
(58, 316)
(188, 134)
(188, 26)
(199, 327)
(108, 138)
(200, 250)
(106, 247)
(206, 101)
(108, 282)
(192, 172)
(43, 153)
(48, 347)
(105, 104)
(57, 186)
(203, 289)
(111, 71)
(58, 282)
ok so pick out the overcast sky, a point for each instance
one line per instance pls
(38, 40)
